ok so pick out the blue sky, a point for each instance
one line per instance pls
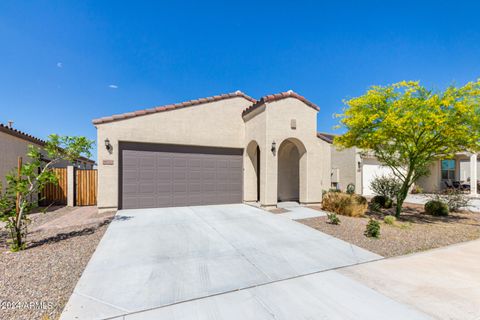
(63, 63)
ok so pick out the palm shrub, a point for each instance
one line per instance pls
(345, 204)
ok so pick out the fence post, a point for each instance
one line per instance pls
(70, 186)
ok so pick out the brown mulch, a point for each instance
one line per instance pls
(414, 231)
(36, 283)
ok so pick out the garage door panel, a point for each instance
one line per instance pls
(160, 179)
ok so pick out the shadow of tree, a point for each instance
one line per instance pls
(68, 235)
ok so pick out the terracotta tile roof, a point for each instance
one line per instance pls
(279, 96)
(30, 138)
(172, 107)
(328, 137)
(21, 134)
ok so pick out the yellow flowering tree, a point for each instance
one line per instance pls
(407, 127)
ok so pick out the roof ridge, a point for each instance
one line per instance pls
(167, 107)
(279, 96)
(21, 134)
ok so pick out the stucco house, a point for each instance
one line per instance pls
(14, 143)
(359, 168)
(222, 149)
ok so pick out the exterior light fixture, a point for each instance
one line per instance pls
(359, 165)
(108, 146)
(274, 147)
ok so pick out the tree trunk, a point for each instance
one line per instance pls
(402, 194)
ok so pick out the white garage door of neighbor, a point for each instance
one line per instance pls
(369, 172)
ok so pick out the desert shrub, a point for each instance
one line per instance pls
(386, 186)
(375, 206)
(360, 199)
(389, 220)
(416, 189)
(350, 188)
(436, 208)
(382, 201)
(344, 204)
(454, 199)
(333, 218)
(373, 228)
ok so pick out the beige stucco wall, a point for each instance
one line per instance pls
(11, 148)
(216, 124)
(273, 123)
(346, 161)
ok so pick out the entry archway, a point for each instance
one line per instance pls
(291, 168)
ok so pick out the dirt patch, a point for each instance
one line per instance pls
(37, 282)
(414, 231)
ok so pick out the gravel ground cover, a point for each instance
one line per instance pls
(36, 283)
(413, 232)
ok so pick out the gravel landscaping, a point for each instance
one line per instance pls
(37, 282)
(414, 231)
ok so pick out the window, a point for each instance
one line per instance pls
(448, 169)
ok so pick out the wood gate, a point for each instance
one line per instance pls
(55, 193)
(86, 187)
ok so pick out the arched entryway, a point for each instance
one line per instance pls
(252, 172)
(291, 162)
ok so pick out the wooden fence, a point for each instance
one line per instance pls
(86, 187)
(55, 193)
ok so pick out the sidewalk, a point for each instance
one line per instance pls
(444, 282)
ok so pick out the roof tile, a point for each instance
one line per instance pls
(171, 107)
(279, 96)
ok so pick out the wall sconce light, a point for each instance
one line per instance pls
(359, 165)
(274, 147)
(108, 146)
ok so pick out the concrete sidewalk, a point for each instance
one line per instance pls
(444, 282)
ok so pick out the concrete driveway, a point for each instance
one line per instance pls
(223, 262)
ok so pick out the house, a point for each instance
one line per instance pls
(14, 143)
(352, 166)
(223, 149)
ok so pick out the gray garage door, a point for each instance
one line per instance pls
(155, 176)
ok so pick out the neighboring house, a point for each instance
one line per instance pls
(352, 166)
(14, 144)
(223, 149)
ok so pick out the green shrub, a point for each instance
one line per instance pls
(389, 220)
(373, 228)
(344, 204)
(454, 199)
(383, 201)
(386, 186)
(436, 208)
(350, 188)
(375, 206)
(332, 218)
(416, 189)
